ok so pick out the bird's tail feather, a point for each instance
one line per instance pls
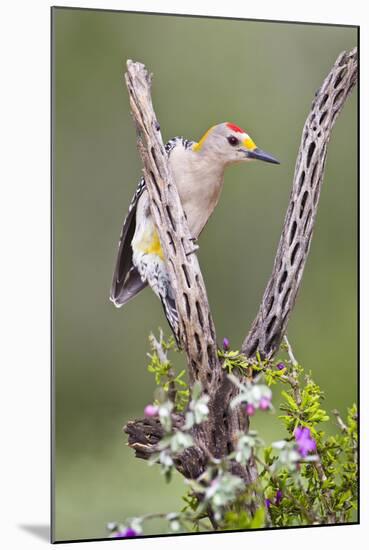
(171, 314)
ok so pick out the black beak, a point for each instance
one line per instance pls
(259, 154)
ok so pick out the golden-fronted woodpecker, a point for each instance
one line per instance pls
(198, 172)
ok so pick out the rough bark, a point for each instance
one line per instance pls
(197, 332)
(280, 294)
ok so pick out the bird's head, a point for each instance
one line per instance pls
(229, 144)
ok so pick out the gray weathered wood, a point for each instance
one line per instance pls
(280, 294)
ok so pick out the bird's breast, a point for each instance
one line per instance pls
(199, 188)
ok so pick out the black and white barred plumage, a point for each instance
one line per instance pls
(134, 269)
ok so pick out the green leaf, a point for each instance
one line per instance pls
(259, 519)
(290, 400)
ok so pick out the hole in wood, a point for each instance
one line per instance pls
(303, 203)
(273, 342)
(172, 243)
(294, 252)
(188, 307)
(308, 241)
(199, 314)
(271, 324)
(339, 77)
(153, 155)
(324, 101)
(211, 326)
(312, 180)
(307, 221)
(282, 280)
(285, 297)
(338, 96)
(198, 342)
(253, 348)
(322, 117)
(184, 269)
(170, 217)
(155, 184)
(301, 182)
(299, 268)
(293, 231)
(310, 153)
(209, 376)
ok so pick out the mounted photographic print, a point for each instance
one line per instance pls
(205, 268)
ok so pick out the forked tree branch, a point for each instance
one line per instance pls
(197, 333)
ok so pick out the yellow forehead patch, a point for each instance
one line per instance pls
(249, 144)
(197, 146)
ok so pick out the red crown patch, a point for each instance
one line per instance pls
(235, 128)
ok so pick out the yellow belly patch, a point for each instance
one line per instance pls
(150, 244)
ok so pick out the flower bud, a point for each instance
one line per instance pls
(226, 344)
(250, 409)
(264, 404)
(151, 410)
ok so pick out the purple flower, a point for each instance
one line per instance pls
(128, 533)
(267, 503)
(226, 344)
(250, 409)
(305, 443)
(278, 497)
(264, 404)
(151, 410)
(281, 366)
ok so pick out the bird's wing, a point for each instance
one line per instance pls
(126, 279)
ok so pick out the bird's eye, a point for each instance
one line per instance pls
(233, 140)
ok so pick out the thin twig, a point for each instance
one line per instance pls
(290, 352)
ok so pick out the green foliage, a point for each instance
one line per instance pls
(166, 378)
(307, 478)
(234, 361)
(242, 520)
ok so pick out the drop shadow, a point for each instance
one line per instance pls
(40, 531)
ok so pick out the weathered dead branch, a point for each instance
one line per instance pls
(280, 294)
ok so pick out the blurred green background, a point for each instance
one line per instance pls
(261, 76)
